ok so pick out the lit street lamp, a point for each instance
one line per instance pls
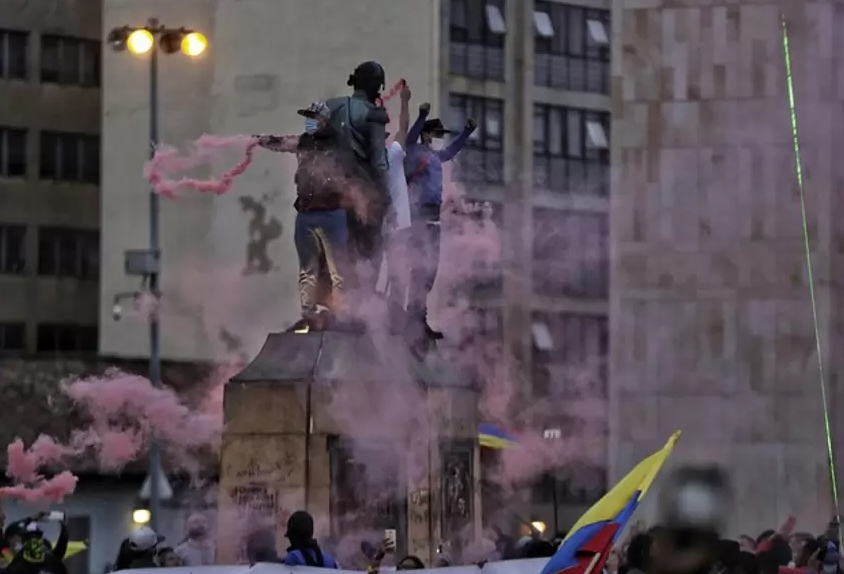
(140, 40)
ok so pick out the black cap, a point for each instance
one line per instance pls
(435, 126)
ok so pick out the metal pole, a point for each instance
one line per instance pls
(308, 416)
(155, 248)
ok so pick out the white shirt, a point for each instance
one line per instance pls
(398, 186)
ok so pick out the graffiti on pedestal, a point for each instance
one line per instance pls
(457, 492)
(255, 506)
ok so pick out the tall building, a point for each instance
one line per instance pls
(50, 89)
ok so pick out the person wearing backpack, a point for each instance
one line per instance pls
(424, 169)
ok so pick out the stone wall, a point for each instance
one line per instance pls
(711, 324)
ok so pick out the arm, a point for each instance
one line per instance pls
(284, 144)
(404, 117)
(60, 547)
(454, 147)
(416, 130)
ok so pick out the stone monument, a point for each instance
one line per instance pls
(290, 443)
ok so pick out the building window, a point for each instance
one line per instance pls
(572, 47)
(570, 253)
(577, 483)
(70, 157)
(481, 161)
(570, 358)
(12, 337)
(55, 338)
(13, 54)
(12, 152)
(476, 31)
(12, 249)
(70, 61)
(79, 528)
(68, 253)
(571, 150)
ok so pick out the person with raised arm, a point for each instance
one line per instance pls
(424, 170)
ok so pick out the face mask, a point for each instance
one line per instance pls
(311, 125)
(17, 546)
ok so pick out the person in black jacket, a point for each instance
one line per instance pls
(321, 233)
(36, 556)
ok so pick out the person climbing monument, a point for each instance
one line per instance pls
(321, 233)
(360, 123)
(424, 169)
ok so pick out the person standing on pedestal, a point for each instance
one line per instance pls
(424, 170)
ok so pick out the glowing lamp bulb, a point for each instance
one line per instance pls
(141, 516)
(140, 41)
(194, 44)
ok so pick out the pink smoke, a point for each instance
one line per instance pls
(125, 412)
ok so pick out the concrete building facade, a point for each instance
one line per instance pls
(50, 119)
(710, 309)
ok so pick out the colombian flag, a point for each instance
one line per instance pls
(493, 436)
(588, 544)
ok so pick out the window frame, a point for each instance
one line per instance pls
(88, 150)
(7, 35)
(563, 244)
(573, 62)
(7, 326)
(469, 31)
(575, 157)
(6, 134)
(84, 243)
(489, 148)
(581, 343)
(5, 266)
(62, 48)
(68, 331)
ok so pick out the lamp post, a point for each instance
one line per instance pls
(552, 435)
(140, 40)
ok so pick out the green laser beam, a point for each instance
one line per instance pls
(798, 166)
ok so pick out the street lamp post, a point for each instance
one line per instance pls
(147, 263)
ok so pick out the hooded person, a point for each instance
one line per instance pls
(303, 549)
(360, 123)
(424, 170)
(197, 549)
(35, 555)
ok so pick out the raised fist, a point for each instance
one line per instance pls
(425, 109)
(405, 91)
(471, 124)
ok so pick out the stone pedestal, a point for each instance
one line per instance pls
(392, 444)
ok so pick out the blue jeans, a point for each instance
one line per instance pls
(321, 238)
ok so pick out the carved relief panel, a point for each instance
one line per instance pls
(457, 484)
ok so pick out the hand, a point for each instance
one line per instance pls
(389, 546)
(425, 109)
(405, 91)
(41, 516)
(471, 124)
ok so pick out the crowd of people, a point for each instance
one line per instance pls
(367, 208)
